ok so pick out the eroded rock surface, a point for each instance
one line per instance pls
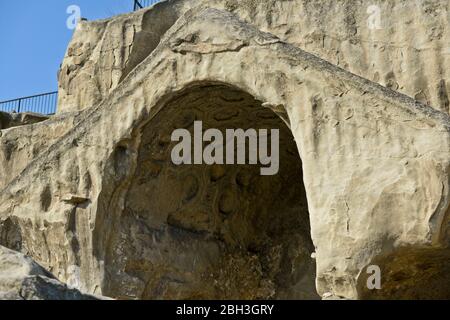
(23, 279)
(9, 120)
(97, 201)
(20, 143)
(401, 44)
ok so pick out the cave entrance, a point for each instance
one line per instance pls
(212, 231)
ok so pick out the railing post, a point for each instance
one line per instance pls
(137, 5)
(41, 103)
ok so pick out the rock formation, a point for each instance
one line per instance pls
(92, 195)
(401, 44)
(9, 120)
(23, 279)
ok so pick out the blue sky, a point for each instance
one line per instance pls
(34, 37)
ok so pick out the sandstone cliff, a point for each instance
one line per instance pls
(401, 44)
(93, 196)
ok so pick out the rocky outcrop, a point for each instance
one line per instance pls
(23, 279)
(20, 144)
(400, 44)
(364, 171)
(9, 120)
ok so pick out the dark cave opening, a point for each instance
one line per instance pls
(410, 274)
(211, 231)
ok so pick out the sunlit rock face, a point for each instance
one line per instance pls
(93, 196)
(401, 44)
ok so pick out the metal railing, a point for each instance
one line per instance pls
(42, 103)
(46, 103)
(139, 4)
